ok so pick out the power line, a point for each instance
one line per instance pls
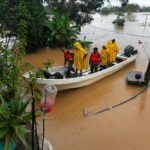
(123, 102)
(120, 32)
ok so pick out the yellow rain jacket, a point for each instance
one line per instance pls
(116, 48)
(79, 63)
(111, 50)
(104, 57)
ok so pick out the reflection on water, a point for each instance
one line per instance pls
(118, 28)
(123, 128)
(142, 102)
(105, 23)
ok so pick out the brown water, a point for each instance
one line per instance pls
(123, 128)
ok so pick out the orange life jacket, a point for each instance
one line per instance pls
(94, 58)
(68, 55)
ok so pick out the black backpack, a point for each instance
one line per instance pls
(58, 75)
(129, 50)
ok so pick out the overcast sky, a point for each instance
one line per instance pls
(140, 2)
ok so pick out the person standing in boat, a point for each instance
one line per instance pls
(94, 60)
(68, 61)
(111, 50)
(104, 57)
(115, 48)
(80, 58)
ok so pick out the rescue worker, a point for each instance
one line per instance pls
(94, 60)
(68, 61)
(111, 50)
(104, 53)
(80, 58)
(115, 47)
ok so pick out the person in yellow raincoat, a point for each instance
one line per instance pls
(80, 58)
(111, 50)
(104, 53)
(115, 47)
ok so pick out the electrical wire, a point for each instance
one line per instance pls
(128, 34)
(121, 103)
(133, 97)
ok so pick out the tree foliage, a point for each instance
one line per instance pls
(129, 8)
(60, 31)
(119, 21)
(79, 12)
(105, 11)
(145, 9)
(132, 8)
(23, 19)
(13, 115)
(9, 73)
(12, 120)
(15, 95)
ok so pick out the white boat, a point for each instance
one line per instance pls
(86, 78)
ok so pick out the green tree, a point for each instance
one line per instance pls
(24, 20)
(35, 38)
(60, 32)
(145, 9)
(79, 12)
(105, 11)
(132, 8)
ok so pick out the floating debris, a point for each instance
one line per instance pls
(110, 107)
(85, 112)
(140, 42)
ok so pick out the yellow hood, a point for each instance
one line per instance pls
(109, 42)
(77, 45)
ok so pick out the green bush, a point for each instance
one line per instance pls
(13, 115)
(119, 21)
(24, 20)
(105, 11)
(12, 121)
(14, 97)
(60, 31)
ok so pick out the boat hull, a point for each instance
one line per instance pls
(70, 83)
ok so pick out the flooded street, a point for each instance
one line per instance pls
(123, 128)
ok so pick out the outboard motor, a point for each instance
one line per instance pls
(129, 50)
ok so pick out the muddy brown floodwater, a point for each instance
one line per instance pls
(126, 127)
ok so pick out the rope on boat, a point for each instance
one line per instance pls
(129, 34)
(121, 103)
